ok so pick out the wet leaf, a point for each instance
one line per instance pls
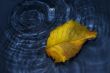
(66, 40)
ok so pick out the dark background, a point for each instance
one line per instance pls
(7, 6)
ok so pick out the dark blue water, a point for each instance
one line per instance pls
(25, 27)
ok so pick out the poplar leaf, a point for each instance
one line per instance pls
(66, 40)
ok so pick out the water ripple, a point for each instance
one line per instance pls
(31, 22)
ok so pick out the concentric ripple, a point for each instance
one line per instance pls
(26, 38)
(31, 22)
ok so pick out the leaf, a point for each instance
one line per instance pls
(66, 40)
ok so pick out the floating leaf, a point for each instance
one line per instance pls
(66, 40)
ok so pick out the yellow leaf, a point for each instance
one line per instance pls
(66, 40)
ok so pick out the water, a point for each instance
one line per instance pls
(28, 29)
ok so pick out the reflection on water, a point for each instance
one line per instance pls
(30, 24)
